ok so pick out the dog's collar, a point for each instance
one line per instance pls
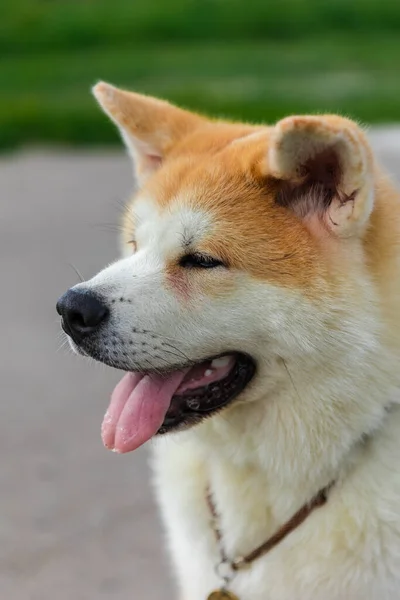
(227, 568)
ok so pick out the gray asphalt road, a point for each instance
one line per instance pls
(76, 522)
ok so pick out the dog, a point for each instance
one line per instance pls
(255, 311)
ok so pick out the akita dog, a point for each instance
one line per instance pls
(256, 312)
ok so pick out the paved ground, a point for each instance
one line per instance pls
(76, 522)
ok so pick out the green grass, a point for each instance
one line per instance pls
(253, 60)
(31, 25)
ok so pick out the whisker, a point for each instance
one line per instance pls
(159, 358)
(120, 204)
(291, 379)
(78, 273)
(123, 207)
(165, 342)
(163, 337)
(152, 368)
(63, 345)
(187, 359)
(169, 345)
(113, 227)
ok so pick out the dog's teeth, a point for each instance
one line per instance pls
(208, 372)
(218, 363)
(193, 404)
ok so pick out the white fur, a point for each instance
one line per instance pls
(302, 422)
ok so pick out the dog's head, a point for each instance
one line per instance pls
(243, 257)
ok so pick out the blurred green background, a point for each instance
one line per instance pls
(241, 59)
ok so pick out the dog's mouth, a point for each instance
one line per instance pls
(145, 404)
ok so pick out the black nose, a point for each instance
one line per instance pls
(82, 312)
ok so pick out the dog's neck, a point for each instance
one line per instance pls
(297, 439)
(267, 493)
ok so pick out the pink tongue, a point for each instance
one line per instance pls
(137, 409)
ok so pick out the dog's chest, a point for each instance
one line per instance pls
(245, 522)
(248, 514)
(334, 554)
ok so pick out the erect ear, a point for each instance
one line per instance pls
(322, 170)
(149, 127)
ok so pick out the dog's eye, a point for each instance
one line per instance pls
(132, 244)
(200, 261)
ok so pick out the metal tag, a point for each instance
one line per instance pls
(222, 595)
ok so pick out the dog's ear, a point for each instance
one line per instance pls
(149, 127)
(322, 170)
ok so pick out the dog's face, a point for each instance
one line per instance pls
(238, 247)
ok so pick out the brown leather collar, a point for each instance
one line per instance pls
(295, 521)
